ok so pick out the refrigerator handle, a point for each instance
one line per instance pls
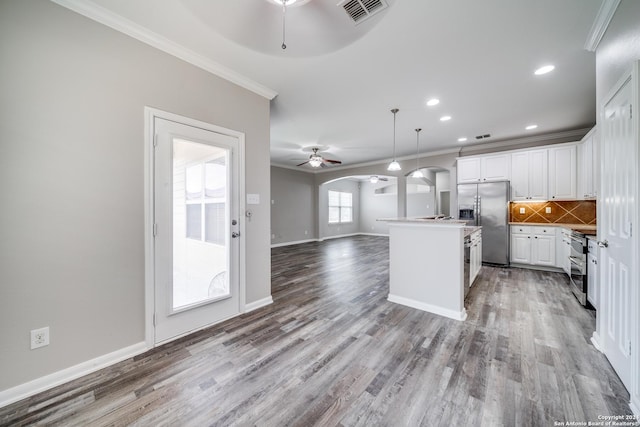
(478, 216)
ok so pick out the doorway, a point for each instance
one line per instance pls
(196, 230)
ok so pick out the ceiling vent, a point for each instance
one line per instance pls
(485, 136)
(361, 10)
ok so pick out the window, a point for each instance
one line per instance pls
(340, 207)
(205, 199)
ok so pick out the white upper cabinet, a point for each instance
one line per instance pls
(529, 178)
(469, 170)
(563, 173)
(493, 167)
(588, 166)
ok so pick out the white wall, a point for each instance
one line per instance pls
(72, 169)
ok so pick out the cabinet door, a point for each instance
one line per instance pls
(495, 167)
(595, 163)
(562, 172)
(520, 176)
(538, 175)
(468, 170)
(544, 250)
(521, 248)
(593, 285)
(565, 254)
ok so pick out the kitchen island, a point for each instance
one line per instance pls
(426, 264)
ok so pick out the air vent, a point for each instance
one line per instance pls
(360, 10)
(485, 136)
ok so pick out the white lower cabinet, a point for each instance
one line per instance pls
(475, 256)
(565, 250)
(593, 284)
(533, 245)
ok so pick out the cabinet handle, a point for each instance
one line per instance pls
(536, 237)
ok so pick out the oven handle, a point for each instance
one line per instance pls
(576, 261)
(577, 239)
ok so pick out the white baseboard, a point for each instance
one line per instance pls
(297, 242)
(635, 407)
(258, 304)
(451, 314)
(595, 340)
(47, 382)
(374, 234)
(338, 236)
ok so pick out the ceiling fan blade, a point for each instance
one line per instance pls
(322, 165)
(303, 163)
(383, 179)
(337, 162)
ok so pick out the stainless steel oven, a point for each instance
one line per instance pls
(578, 271)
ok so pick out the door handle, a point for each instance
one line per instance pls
(235, 234)
(603, 243)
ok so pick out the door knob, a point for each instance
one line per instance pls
(603, 244)
(235, 234)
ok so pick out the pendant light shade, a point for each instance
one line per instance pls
(417, 173)
(394, 165)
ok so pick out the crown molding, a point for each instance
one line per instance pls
(542, 139)
(140, 33)
(601, 23)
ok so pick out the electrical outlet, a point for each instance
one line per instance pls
(273, 236)
(306, 232)
(547, 209)
(521, 210)
(39, 337)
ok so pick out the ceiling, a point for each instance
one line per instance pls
(337, 81)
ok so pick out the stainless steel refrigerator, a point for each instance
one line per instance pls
(487, 204)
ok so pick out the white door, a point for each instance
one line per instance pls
(196, 245)
(619, 181)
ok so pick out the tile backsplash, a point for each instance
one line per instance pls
(568, 212)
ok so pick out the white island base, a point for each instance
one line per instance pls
(427, 265)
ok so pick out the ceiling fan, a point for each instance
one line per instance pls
(316, 160)
(375, 178)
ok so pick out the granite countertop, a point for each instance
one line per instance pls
(424, 220)
(470, 230)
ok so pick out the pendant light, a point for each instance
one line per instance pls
(394, 165)
(417, 173)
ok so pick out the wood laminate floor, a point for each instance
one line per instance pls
(331, 350)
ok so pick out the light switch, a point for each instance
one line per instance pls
(547, 209)
(253, 199)
(521, 210)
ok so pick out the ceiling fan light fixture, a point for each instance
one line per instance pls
(417, 174)
(315, 161)
(373, 179)
(394, 165)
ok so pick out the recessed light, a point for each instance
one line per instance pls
(531, 127)
(445, 118)
(463, 139)
(433, 101)
(544, 70)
